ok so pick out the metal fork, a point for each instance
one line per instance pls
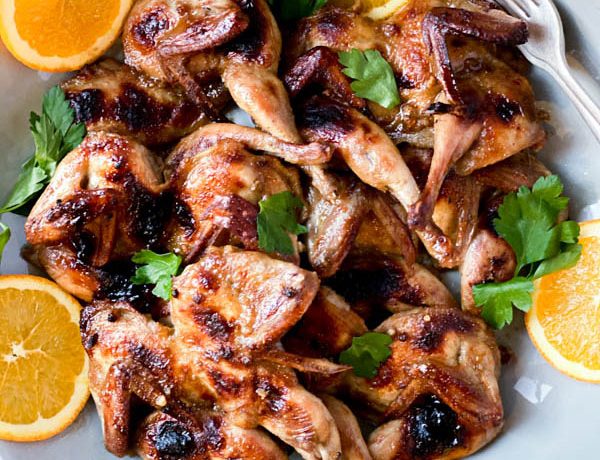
(546, 49)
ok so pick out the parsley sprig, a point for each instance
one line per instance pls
(290, 10)
(276, 220)
(529, 221)
(157, 269)
(366, 353)
(373, 75)
(4, 237)
(55, 134)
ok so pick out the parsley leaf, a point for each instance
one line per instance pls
(529, 221)
(55, 134)
(566, 259)
(373, 75)
(366, 353)
(276, 220)
(158, 269)
(290, 10)
(498, 300)
(4, 237)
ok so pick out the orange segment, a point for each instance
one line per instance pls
(564, 322)
(42, 363)
(60, 35)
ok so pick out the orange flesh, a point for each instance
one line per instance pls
(36, 334)
(568, 308)
(67, 27)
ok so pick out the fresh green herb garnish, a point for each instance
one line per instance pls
(4, 237)
(373, 75)
(276, 220)
(529, 221)
(498, 299)
(55, 134)
(366, 353)
(157, 269)
(290, 10)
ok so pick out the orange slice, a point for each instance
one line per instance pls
(43, 366)
(381, 9)
(564, 322)
(60, 35)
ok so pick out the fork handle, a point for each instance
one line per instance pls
(588, 109)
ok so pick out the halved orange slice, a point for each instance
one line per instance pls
(564, 322)
(43, 366)
(59, 35)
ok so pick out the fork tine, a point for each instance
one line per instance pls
(525, 5)
(514, 8)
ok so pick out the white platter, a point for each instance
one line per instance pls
(548, 416)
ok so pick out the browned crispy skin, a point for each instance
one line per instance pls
(217, 191)
(488, 259)
(456, 208)
(321, 66)
(523, 169)
(189, 40)
(105, 202)
(128, 356)
(363, 146)
(202, 435)
(111, 96)
(228, 312)
(327, 327)
(375, 285)
(480, 108)
(441, 378)
(358, 220)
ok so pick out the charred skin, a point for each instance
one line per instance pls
(451, 73)
(437, 395)
(110, 96)
(228, 311)
(217, 193)
(105, 202)
(188, 41)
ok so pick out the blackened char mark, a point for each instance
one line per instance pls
(506, 109)
(432, 427)
(378, 286)
(184, 217)
(116, 285)
(84, 244)
(213, 324)
(88, 105)
(275, 398)
(250, 44)
(146, 213)
(325, 120)
(134, 107)
(435, 326)
(147, 30)
(172, 440)
(138, 111)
